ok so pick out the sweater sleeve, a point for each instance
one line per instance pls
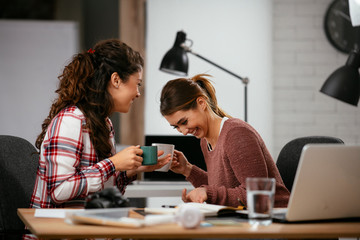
(197, 177)
(243, 153)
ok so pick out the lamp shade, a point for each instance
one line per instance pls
(344, 83)
(176, 60)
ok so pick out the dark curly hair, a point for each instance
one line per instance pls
(84, 82)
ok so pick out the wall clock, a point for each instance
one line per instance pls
(338, 28)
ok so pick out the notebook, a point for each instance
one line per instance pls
(326, 184)
(118, 217)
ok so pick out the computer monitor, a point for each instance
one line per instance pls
(189, 145)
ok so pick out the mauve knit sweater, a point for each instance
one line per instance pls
(240, 152)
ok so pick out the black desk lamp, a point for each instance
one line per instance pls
(176, 62)
(344, 83)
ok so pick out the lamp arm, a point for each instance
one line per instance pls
(244, 80)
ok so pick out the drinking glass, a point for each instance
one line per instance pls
(260, 200)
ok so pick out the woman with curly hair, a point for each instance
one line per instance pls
(76, 145)
(233, 150)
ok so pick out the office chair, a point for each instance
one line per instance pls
(18, 164)
(289, 156)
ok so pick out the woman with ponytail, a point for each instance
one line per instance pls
(76, 144)
(232, 149)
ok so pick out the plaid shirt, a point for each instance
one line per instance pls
(69, 169)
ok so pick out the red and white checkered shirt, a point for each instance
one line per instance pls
(69, 169)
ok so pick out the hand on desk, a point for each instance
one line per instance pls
(198, 195)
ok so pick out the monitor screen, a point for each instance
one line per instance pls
(189, 145)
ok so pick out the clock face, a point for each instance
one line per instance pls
(338, 28)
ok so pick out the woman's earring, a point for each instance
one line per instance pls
(116, 86)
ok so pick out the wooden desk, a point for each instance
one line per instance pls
(48, 228)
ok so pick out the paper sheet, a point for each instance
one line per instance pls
(53, 212)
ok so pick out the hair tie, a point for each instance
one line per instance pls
(91, 50)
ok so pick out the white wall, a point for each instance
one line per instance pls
(236, 34)
(32, 55)
(303, 59)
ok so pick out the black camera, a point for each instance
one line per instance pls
(107, 198)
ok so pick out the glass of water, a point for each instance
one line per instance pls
(260, 200)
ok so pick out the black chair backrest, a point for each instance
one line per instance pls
(289, 156)
(18, 164)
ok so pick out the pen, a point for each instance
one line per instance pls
(168, 206)
(241, 203)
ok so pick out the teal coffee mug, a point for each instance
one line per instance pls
(149, 155)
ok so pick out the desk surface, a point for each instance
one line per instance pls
(143, 189)
(47, 228)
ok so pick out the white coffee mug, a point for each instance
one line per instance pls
(168, 149)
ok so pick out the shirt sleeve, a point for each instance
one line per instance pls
(246, 158)
(63, 151)
(121, 180)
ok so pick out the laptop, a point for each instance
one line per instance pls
(326, 185)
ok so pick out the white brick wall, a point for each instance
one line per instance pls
(303, 59)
